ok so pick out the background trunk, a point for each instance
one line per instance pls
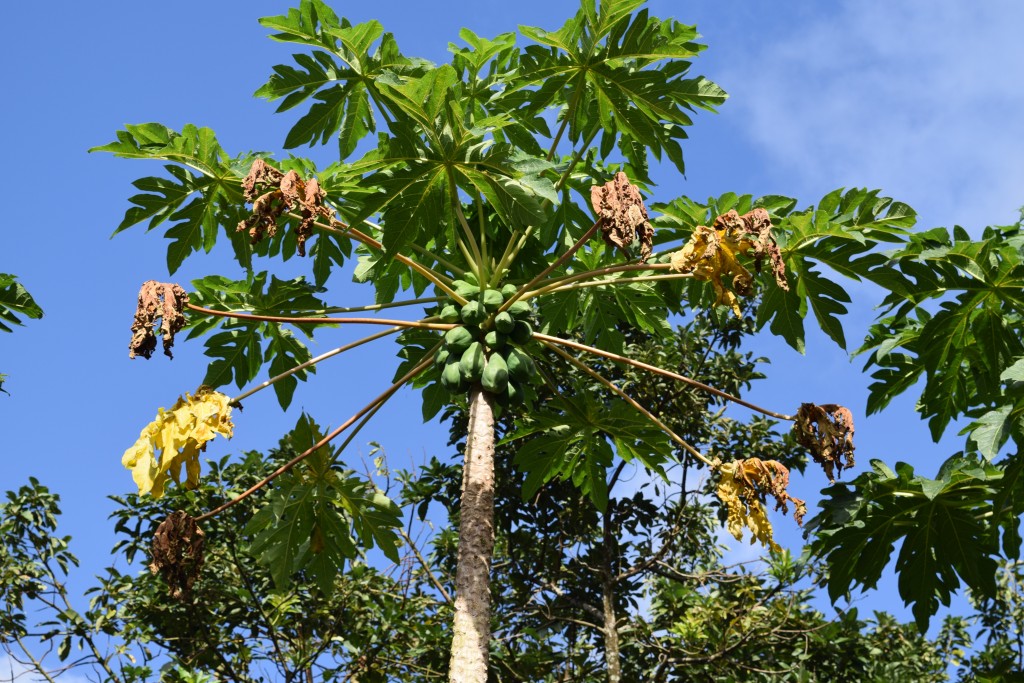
(472, 627)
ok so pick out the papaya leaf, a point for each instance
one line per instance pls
(15, 301)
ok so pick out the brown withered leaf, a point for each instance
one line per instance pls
(283, 192)
(260, 173)
(177, 552)
(827, 432)
(163, 300)
(623, 216)
(712, 253)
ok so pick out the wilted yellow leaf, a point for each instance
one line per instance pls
(744, 486)
(177, 437)
(745, 510)
(712, 254)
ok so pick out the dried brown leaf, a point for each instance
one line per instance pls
(620, 208)
(177, 552)
(287, 191)
(260, 173)
(162, 300)
(827, 432)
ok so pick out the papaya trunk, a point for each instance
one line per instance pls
(472, 626)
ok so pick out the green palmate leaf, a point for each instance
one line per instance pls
(318, 515)
(15, 301)
(285, 352)
(941, 524)
(618, 72)
(419, 170)
(202, 193)
(242, 348)
(572, 440)
(340, 75)
(842, 233)
(967, 345)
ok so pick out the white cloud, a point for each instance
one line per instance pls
(921, 98)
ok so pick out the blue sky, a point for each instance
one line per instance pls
(919, 98)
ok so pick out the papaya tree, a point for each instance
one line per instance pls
(496, 206)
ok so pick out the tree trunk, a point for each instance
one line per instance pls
(472, 628)
(611, 634)
(611, 628)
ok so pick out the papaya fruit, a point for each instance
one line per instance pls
(519, 309)
(449, 314)
(473, 313)
(496, 340)
(508, 290)
(495, 376)
(451, 377)
(521, 333)
(520, 366)
(465, 289)
(458, 339)
(492, 299)
(441, 356)
(472, 362)
(504, 322)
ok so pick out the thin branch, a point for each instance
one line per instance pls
(558, 283)
(614, 281)
(433, 579)
(322, 442)
(665, 373)
(312, 361)
(628, 399)
(320, 321)
(378, 307)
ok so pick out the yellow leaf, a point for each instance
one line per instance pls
(712, 253)
(175, 438)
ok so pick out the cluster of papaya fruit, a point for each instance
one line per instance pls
(486, 347)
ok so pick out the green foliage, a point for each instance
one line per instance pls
(14, 301)
(940, 523)
(316, 513)
(242, 347)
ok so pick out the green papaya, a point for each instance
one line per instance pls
(465, 289)
(458, 339)
(473, 313)
(520, 366)
(472, 362)
(514, 393)
(495, 375)
(449, 314)
(504, 322)
(521, 333)
(451, 377)
(496, 340)
(441, 356)
(508, 290)
(519, 309)
(492, 299)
